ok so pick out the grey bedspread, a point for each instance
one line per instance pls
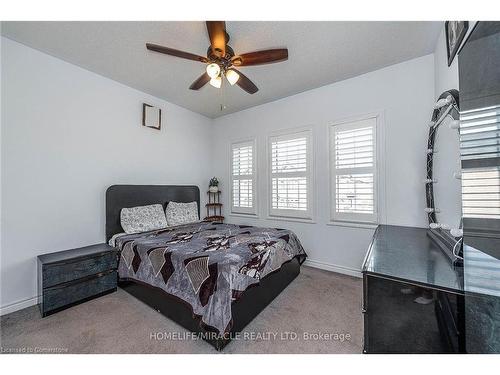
(207, 265)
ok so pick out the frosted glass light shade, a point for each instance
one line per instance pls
(232, 77)
(216, 82)
(213, 70)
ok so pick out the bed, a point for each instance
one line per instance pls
(211, 278)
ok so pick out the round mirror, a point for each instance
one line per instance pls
(443, 184)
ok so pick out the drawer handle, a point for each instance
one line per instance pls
(78, 260)
(80, 280)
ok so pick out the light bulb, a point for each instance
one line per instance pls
(216, 82)
(232, 76)
(456, 232)
(213, 70)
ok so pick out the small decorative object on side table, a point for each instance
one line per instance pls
(213, 186)
(69, 277)
(214, 207)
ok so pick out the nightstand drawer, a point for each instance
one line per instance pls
(62, 272)
(77, 291)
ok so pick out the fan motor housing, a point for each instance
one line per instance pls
(224, 61)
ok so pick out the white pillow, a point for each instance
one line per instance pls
(143, 218)
(181, 213)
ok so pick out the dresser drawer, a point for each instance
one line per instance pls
(61, 295)
(62, 272)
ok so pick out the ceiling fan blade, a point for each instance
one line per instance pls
(261, 57)
(218, 37)
(200, 82)
(175, 52)
(245, 83)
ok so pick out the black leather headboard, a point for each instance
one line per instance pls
(120, 196)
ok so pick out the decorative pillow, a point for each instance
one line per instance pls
(143, 218)
(181, 213)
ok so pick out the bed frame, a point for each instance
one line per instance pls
(248, 306)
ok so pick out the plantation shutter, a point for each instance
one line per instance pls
(353, 165)
(480, 152)
(290, 175)
(243, 181)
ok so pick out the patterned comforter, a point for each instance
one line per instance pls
(207, 265)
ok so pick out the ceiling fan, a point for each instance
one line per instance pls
(221, 59)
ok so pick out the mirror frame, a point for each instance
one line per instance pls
(441, 236)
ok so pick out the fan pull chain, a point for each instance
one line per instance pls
(222, 94)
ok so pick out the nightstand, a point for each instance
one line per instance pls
(69, 277)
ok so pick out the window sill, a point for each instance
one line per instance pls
(292, 219)
(352, 224)
(250, 216)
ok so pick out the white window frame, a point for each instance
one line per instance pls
(357, 219)
(236, 210)
(289, 214)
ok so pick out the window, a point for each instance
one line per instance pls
(290, 174)
(480, 151)
(243, 177)
(353, 171)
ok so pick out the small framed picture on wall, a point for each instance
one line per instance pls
(151, 116)
(455, 33)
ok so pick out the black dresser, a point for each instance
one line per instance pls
(69, 277)
(413, 297)
(479, 70)
(482, 294)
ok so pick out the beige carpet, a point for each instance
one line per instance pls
(317, 302)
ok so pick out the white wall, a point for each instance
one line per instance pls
(68, 134)
(446, 77)
(404, 93)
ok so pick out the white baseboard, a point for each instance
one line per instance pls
(333, 268)
(4, 310)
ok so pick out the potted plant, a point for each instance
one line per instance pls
(214, 185)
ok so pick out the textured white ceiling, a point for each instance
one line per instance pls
(319, 53)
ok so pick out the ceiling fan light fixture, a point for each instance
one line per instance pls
(232, 76)
(221, 58)
(213, 70)
(216, 82)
